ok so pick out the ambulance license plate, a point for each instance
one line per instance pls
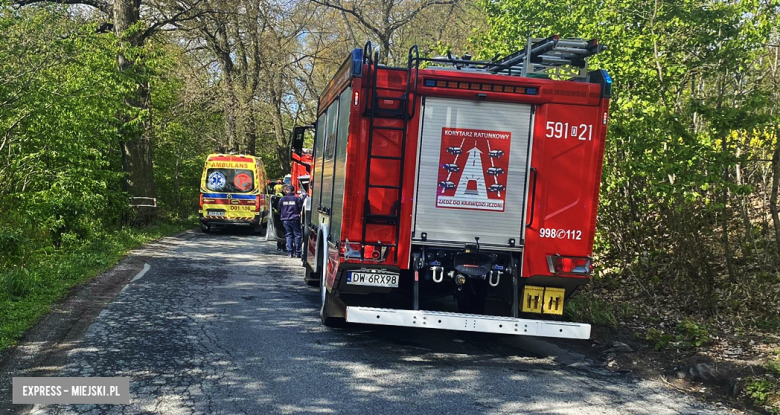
(216, 213)
(372, 280)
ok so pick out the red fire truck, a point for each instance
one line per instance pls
(301, 160)
(459, 195)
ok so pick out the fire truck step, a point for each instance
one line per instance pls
(381, 219)
(383, 113)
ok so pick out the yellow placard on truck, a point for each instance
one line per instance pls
(232, 192)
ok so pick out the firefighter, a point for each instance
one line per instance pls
(290, 212)
(279, 188)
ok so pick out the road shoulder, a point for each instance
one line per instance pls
(44, 349)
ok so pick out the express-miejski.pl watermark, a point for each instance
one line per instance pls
(56, 390)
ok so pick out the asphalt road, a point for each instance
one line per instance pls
(221, 323)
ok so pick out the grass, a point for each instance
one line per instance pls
(587, 309)
(27, 293)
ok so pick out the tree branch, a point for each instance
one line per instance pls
(103, 6)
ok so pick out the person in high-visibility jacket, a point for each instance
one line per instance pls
(290, 213)
(279, 188)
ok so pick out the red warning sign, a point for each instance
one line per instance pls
(473, 167)
(243, 182)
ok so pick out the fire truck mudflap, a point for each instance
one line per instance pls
(467, 322)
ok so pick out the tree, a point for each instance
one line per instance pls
(57, 122)
(384, 20)
(684, 84)
(265, 56)
(133, 32)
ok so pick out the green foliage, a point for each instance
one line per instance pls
(773, 364)
(59, 168)
(12, 243)
(688, 110)
(658, 337)
(64, 106)
(181, 143)
(692, 334)
(595, 311)
(687, 335)
(758, 390)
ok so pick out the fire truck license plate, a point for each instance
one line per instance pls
(373, 280)
(215, 213)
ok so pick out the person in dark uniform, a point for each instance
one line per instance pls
(290, 213)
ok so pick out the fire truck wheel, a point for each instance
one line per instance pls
(328, 308)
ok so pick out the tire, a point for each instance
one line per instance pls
(329, 307)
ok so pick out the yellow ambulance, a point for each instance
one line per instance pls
(232, 192)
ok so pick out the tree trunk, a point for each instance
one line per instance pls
(176, 186)
(384, 50)
(775, 185)
(251, 130)
(230, 102)
(282, 143)
(229, 109)
(725, 222)
(136, 144)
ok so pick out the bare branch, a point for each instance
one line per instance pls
(104, 6)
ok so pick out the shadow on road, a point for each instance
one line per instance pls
(222, 324)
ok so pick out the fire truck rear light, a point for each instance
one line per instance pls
(569, 265)
(350, 250)
(604, 118)
(201, 200)
(257, 203)
(375, 254)
(356, 98)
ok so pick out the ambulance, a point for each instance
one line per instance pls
(232, 192)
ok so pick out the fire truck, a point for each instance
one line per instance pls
(301, 160)
(458, 194)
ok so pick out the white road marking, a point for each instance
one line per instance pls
(142, 273)
(138, 276)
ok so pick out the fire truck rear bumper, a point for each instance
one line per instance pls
(467, 322)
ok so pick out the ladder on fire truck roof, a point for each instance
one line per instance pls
(399, 110)
(542, 57)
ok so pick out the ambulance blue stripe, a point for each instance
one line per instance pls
(225, 195)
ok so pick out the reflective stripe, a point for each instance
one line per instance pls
(232, 196)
